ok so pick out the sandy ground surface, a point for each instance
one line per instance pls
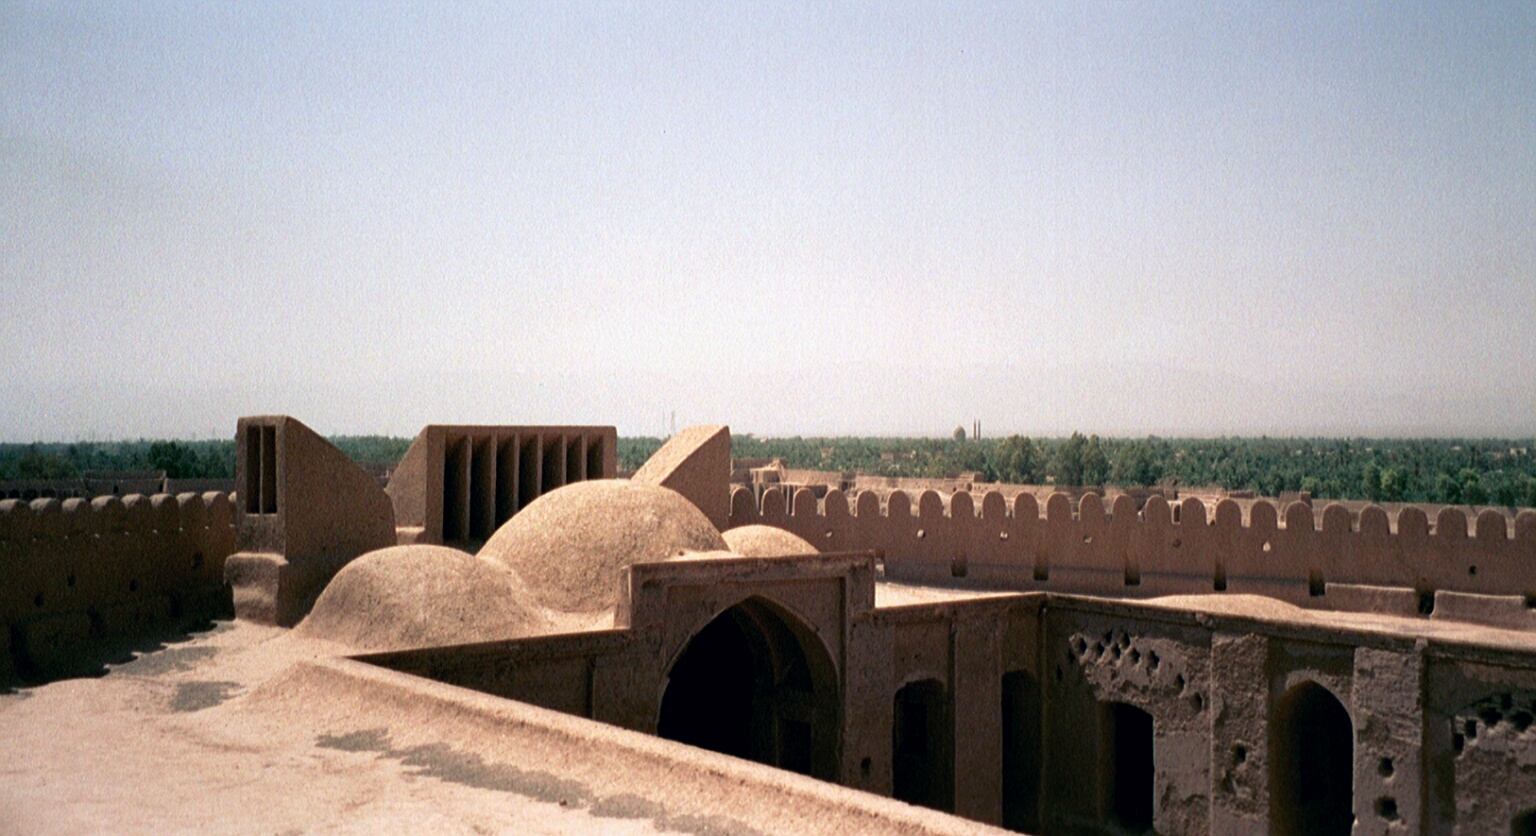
(250, 729)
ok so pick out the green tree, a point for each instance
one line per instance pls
(1095, 463)
(1370, 482)
(1137, 464)
(1448, 489)
(1067, 465)
(1395, 485)
(1472, 490)
(1509, 491)
(176, 459)
(34, 464)
(1017, 460)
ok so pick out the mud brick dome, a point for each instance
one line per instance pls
(569, 545)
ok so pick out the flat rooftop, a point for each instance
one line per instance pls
(251, 729)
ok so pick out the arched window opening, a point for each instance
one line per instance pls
(1312, 764)
(1126, 764)
(923, 744)
(756, 684)
(1021, 751)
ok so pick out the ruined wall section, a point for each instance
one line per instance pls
(79, 572)
(1469, 569)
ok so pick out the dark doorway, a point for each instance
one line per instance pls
(1523, 824)
(923, 746)
(756, 683)
(1312, 757)
(1128, 769)
(1021, 751)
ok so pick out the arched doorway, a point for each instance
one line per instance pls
(756, 683)
(923, 744)
(1312, 763)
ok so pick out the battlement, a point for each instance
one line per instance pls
(1333, 560)
(75, 572)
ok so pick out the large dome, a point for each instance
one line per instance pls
(766, 541)
(569, 544)
(422, 596)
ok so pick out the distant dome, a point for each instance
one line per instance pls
(569, 544)
(766, 541)
(422, 596)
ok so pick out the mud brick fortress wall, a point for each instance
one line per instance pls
(77, 572)
(1481, 570)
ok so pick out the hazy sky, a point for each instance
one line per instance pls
(1179, 218)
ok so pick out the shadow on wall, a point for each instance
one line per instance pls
(110, 654)
(79, 579)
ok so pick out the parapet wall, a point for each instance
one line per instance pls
(76, 572)
(1335, 559)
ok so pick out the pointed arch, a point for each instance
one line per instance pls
(756, 682)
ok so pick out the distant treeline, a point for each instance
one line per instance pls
(1474, 471)
(179, 459)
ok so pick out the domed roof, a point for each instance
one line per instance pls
(766, 541)
(422, 596)
(569, 544)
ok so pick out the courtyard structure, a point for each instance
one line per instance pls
(508, 638)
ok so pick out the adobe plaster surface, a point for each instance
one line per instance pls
(570, 545)
(765, 541)
(254, 729)
(696, 463)
(420, 596)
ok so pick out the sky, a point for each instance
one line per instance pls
(1126, 218)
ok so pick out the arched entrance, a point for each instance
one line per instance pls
(756, 683)
(1312, 763)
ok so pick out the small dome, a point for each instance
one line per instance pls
(422, 596)
(569, 544)
(766, 541)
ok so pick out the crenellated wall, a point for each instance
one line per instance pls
(1478, 569)
(76, 572)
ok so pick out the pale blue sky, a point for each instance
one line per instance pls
(1126, 218)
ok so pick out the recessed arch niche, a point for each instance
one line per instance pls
(756, 683)
(1312, 763)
